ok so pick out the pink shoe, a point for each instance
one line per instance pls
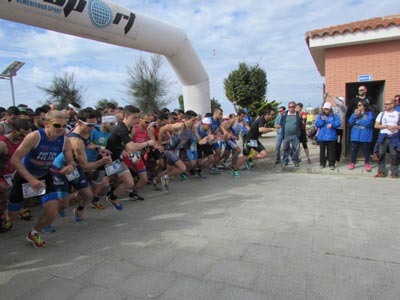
(367, 168)
(351, 166)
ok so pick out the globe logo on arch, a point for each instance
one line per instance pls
(100, 13)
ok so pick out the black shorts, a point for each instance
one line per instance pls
(247, 148)
(303, 138)
(16, 196)
(204, 150)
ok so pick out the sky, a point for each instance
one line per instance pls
(223, 34)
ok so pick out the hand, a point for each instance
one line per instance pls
(67, 170)
(36, 184)
(329, 125)
(106, 159)
(323, 117)
(104, 152)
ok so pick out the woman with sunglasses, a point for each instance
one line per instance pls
(362, 121)
(33, 160)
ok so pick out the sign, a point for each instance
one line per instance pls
(367, 77)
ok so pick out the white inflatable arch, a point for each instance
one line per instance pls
(109, 23)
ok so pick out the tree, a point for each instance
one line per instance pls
(146, 86)
(214, 104)
(64, 90)
(103, 103)
(247, 85)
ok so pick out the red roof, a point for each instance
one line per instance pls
(354, 26)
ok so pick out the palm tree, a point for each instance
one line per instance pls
(146, 86)
(63, 90)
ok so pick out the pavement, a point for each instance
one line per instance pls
(274, 233)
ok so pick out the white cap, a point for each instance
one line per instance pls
(206, 121)
(327, 105)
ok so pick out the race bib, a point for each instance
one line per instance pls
(253, 143)
(28, 191)
(8, 178)
(114, 167)
(74, 175)
(193, 147)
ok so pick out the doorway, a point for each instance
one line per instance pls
(375, 94)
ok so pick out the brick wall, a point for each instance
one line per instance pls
(344, 65)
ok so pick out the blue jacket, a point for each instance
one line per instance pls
(326, 134)
(362, 127)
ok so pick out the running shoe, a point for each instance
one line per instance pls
(76, 216)
(36, 240)
(309, 161)
(6, 225)
(215, 170)
(134, 196)
(97, 205)
(351, 166)
(235, 173)
(367, 167)
(25, 214)
(183, 176)
(48, 229)
(62, 213)
(155, 183)
(165, 182)
(332, 167)
(200, 174)
(248, 164)
(296, 165)
(114, 203)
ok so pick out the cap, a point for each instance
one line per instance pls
(246, 110)
(327, 105)
(206, 121)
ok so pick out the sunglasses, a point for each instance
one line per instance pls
(58, 125)
(387, 103)
(359, 105)
(21, 134)
(292, 106)
(111, 124)
(88, 124)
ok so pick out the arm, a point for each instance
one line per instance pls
(336, 122)
(367, 122)
(78, 149)
(27, 145)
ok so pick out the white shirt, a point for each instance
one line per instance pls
(388, 119)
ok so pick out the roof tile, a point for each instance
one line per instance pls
(364, 25)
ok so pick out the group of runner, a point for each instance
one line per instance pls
(79, 155)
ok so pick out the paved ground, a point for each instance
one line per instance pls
(274, 233)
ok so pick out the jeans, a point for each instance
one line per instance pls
(278, 146)
(354, 150)
(291, 145)
(394, 162)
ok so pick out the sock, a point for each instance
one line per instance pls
(112, 196)
(33, 231)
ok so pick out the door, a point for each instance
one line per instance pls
(375, 94)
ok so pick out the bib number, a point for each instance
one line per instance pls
(253, 143)
(74, 175)
(28, 191)
(114, 167)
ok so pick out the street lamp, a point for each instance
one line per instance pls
(9, 73)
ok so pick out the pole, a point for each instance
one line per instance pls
(12, 90)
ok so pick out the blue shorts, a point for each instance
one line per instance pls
(191, 155)
(63, 186)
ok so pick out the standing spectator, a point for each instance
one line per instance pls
(340, 109)
(303, 134)
(361, 121)
(388, 124)
(281, 111)
(291, 129)
(397, 103)
(327, 122)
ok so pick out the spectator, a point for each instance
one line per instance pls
(361, 121)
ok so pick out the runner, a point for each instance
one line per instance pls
(32, 160)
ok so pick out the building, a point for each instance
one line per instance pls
(360, 53)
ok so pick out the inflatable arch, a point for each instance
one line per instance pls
(109, 23)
